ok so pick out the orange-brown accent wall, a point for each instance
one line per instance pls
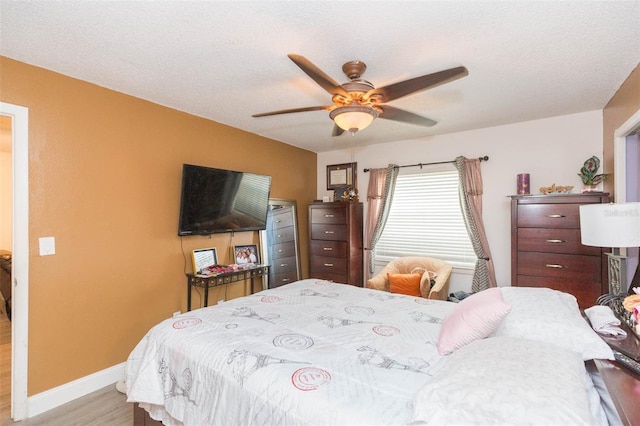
(104, 180)
(624, 103)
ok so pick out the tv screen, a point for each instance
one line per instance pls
(217, 200)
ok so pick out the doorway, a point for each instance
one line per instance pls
(6, 244)
(20, 256)
(627, 184)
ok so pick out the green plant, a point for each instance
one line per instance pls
(589, 172)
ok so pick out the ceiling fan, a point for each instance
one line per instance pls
(357, 102)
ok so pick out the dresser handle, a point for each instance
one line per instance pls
(330, 265)
(278, 221)
(328, 232)
(279, 236)
(555, 216)
(284, 280)
(280, 251)
(328, 215)
(556, 241)
(282, 265)
(327, 248)
(555, 266)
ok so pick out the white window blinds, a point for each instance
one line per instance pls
(425, 219)
(252, 195)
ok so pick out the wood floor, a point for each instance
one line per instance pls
(105, 407)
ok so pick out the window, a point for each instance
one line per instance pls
(425, 219)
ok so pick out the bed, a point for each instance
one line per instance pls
(316, 352)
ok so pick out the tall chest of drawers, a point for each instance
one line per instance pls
(282, 249)
(546, 250)
(335, 242)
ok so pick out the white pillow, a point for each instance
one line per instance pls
(506, 381)
(550, 316)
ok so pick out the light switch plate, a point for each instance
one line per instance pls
(47, 246)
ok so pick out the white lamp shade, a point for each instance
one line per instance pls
(610, 225)
(353, 117)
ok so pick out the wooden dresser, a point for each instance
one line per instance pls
(281, 242)
(546, 249)
(335, 242)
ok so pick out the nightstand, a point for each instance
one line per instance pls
(623, 385)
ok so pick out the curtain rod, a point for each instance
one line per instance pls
(485, 158)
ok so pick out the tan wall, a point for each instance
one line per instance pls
(624, 103)
(104, 178)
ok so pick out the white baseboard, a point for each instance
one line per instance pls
(52, 398)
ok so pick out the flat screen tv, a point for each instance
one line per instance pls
(218, 200)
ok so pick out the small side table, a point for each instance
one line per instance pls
(623, 385)
(224, 279)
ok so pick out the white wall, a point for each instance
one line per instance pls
(552, 150)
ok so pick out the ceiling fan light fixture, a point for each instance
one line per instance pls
(353, 118)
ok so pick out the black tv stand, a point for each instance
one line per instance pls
(225, 278)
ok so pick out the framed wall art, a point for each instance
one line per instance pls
(342, 175)
(203, 259)
(246, 255)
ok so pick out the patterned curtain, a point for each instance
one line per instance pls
(470, 194)
(382, 183)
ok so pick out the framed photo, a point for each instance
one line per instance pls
(342, 175)
(246, 255)
(203, 259)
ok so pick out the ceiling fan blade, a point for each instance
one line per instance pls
(396, 114)
(417, 84)
(288, 111)
(319, 76)
(337, 130)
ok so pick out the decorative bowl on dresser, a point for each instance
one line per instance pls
(335, 242)
(546, 250)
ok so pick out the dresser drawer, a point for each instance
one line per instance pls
(281, 279)
(282, 235)
(329, 215)
(285, 264)
(586, 292)
(328, 248)
(328, 265)
(281, 250)
(281, 218)
(554, 240)
(562, 266)
(329, 276)
(329, 232)
(549, 216)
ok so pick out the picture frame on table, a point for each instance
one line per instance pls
(203, 259)
(342, 175)
(246, 254)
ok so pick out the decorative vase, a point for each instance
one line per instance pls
(589, 188)
(523, 183)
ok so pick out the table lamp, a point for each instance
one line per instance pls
(616, 226)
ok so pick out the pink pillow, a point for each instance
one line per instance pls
(474, 318)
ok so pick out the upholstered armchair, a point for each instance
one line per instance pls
(428, 267)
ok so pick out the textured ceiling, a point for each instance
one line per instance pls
(227, 60)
